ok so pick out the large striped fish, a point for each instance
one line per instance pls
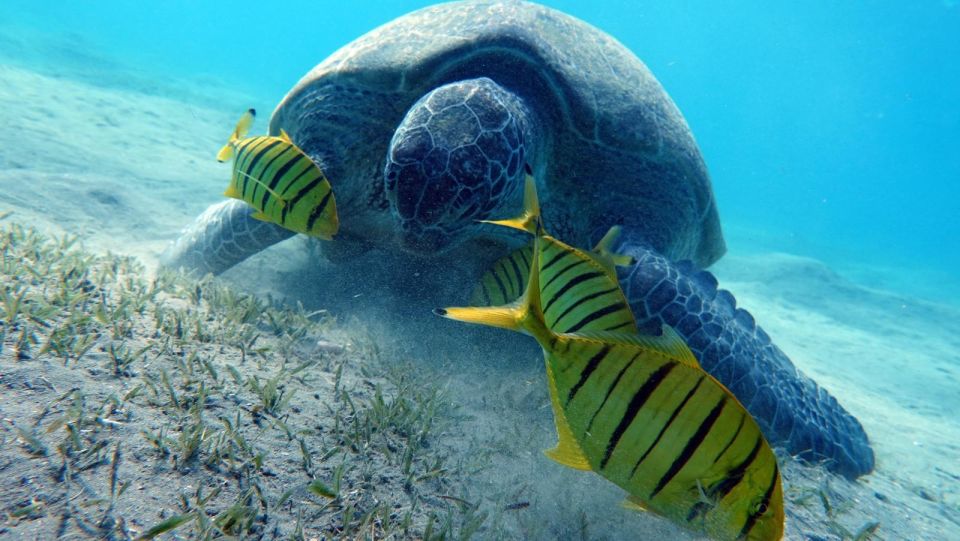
(639, 410)
(283, 184)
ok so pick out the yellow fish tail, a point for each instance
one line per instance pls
(529, 220)
(523, 315)
(243, 126)
(604, 250)
(504, 317)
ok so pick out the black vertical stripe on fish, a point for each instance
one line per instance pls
(517, 273)
(523, 255)
(553, 260)
(242, 164)
(496, 278)
(253, 163)
(280, 172)
(570, 283)
(597, 314)
(690, 447)
(592, 365)
(302, 193)
(764, 504)
(639, 398)
(244, 155)
(246, 149)
(562, 271)
(735, 475)
(501, 266)
(262, 184)
(580, 301)
(733, 439)
(292, 183)
(485, 295)
(666, 426)
(613, 386)
(315, 214)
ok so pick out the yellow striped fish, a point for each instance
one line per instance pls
(507, 278)
(639, 410)
(283, 184)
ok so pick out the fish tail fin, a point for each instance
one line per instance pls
(523, 315)
(243, 126)
(529, 219)
(226, 152)
(604, 248)
(506, 317)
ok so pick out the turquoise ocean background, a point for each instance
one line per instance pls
(831, 129)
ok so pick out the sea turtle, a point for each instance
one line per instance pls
(425, 126)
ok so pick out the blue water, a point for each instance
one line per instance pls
(832, 128)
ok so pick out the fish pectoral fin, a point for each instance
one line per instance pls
(567, 451)
(634, 503)
(225, 153)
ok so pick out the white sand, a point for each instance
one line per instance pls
(126, 168)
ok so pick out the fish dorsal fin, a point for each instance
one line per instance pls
(567, 451)
(529, 219)
(606, 255)
(669, 343)
(285, 136)
(239, 132)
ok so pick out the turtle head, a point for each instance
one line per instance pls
(457, 157)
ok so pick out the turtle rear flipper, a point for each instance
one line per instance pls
(222, 236)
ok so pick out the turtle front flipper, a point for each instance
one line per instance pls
(791, 409)
(224, 235)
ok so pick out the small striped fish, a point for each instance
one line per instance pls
(639, 410)
(283, 184)
(507, 278)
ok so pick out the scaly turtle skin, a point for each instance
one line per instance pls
(424, 126)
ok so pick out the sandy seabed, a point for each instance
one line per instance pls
(124, 160)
